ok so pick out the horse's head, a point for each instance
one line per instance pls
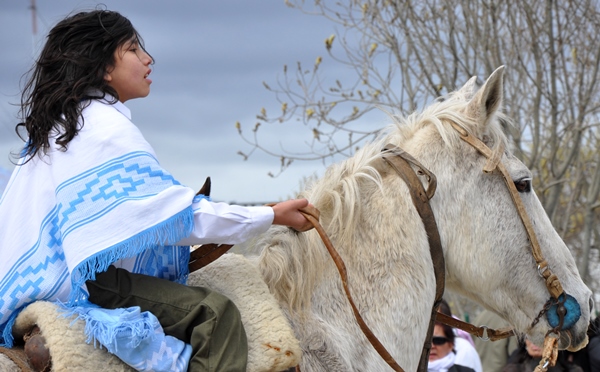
(488, 251)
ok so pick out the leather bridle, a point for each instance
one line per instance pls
(401, 162)
(558, 296)
(493, 162)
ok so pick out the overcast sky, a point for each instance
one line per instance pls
(211, 59)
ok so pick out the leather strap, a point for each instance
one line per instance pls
(311, 214)
(401, 162)
(204, 254)
(482, 332)
(549, 354)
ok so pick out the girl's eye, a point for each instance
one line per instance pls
(523, 185)
(133, 47)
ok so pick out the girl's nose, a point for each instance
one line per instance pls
(145, 58)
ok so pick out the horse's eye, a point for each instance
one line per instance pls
(523, 185)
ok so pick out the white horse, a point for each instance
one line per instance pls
(367, 212)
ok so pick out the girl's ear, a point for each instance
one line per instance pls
(107, 76)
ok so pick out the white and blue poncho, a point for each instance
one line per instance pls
(106, 200)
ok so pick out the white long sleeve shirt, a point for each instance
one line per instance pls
(222, 223)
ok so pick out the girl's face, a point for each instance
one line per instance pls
(129, 75)
(440, 346)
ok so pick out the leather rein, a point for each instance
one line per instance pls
(553, 285)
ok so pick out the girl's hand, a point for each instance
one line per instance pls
(287, 213)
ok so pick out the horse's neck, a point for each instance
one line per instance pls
(389, 269)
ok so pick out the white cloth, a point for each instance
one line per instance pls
(466, 354)
(104, 200)
(443, 364)
(463, 334)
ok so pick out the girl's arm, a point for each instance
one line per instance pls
(222, 223)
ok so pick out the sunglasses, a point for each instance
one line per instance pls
(439, 340)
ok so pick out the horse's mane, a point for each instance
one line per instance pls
(293, 263)
(339, 191)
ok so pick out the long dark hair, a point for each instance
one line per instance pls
(69, 71)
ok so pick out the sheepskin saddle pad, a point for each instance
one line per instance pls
(272, 345)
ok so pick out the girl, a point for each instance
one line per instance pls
(89, 219)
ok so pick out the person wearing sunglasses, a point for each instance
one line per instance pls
(463, 346)
(442, 355)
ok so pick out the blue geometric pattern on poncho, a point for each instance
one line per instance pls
(24, 282)
(165, 262)
(80, 201)
(91, 195)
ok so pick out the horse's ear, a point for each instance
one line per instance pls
(488, 99)
(469, 88)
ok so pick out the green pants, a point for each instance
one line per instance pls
(208, 321)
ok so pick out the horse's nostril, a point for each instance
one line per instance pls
(591, 305)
